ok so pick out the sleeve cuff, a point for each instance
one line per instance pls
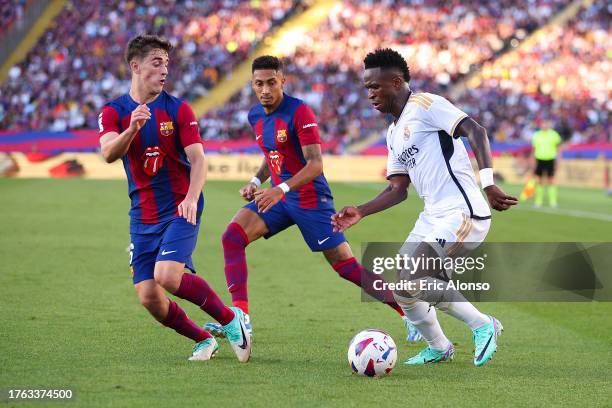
(396, 173)
(457, 122)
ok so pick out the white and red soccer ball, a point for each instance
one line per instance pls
(372, 353)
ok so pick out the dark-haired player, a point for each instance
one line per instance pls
(157, 137)
(287, 132)
(424, 148)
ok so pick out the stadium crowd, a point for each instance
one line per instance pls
(11, 12)
(66, 78)
(564, 76)
(78, 64)
(441, 40)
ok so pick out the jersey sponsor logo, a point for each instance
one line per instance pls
(281, 135)
(309, 125)
(276, 161)
(153, 160)
(166, 128)
(407, 158)
(194, 123)
(100, 123)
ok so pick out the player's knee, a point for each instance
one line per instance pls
(403, 297)
(164, 276)
(339, 255)
(409, 285)
(234, 236)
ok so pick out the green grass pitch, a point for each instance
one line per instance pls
(70, 317)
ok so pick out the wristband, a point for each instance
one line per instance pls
(284, 187)
(255, 180)
(486, 177)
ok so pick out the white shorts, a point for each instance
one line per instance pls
(454, 234)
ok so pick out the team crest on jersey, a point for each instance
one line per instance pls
(166, 128)
(153, 160)
(406, 133)
(281, 135)
(276, 161)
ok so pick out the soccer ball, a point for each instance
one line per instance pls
(372, 353)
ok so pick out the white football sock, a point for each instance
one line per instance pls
(424, 319)
(464, 311)
(450, 301)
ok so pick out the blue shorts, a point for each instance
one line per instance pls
(173, 240)
(314, 224)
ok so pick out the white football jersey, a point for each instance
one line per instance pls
(421, 145)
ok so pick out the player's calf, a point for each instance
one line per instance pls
(156, 307)
(344, 263)
(152, 298)
(235, 241)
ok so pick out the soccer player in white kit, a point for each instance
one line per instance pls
(424, 149)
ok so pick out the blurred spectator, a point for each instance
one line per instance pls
(441, 41)
(564, 76)
(78, 64)
(11, 12)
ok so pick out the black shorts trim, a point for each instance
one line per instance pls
(545, 166)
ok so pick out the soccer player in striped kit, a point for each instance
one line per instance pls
(157, 137)
(287, 133)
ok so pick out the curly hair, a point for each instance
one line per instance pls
(387, 58)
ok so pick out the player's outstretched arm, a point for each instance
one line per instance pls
(265, 199)
(248, 192)
(188, 208)
(477, 136)
(115, 145)
(395, 193)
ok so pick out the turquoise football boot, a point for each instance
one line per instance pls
(485, 341)
(204, 350)
(239, 338)
(216, 329)
(430, 356)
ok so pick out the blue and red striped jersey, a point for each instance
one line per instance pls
(156, 164)
(280, 136)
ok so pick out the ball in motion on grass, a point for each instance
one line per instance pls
(372, 353)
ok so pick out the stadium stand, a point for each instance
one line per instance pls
(449, 38)
(11, 12)
(62, 83)
(78, 64)
(514, 93)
